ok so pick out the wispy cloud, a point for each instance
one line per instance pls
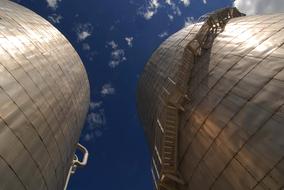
(88, 137)
(95, 105)
(95, 125)
(83, 35)
(86, 46)
(175, 8)
(55, 18)
(129, 41)
(95, 119)
(185, 2)
(149, 14)
(151, 9)
(163, 34)
(91, 55)
(117, 54)
(205, 1)
(252, 7)
(107, 89)
(171, 17)
(53, 3)
(169, 2)
(113, 44)
(84, 31)
(188, 21)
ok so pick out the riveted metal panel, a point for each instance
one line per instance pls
(231, 125)
(44, 98)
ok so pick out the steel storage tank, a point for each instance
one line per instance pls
(211, 102)
(44, 98)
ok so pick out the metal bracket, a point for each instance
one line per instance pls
(77, 163)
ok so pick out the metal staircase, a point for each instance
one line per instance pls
(166, 173)
(170, 139)
(173, 97)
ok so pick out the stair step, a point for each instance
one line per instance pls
(171, 148)
(172, 130)
(170, 126)
(169, 121)
(171, 135)
(171, 107)
(168, 159)
(167, 144)
(169, 138)
(173, 117)
(170, 151)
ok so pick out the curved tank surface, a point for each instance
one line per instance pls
(44, 98)
(211, 102)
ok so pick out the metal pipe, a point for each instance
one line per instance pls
(85, 157)
(77, 163)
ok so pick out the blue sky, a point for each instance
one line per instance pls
(114, 40)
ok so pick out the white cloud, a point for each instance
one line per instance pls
(163, 34)
(96, 119)
(91, 55)
(185, 2)
(154, 3)
(95, 105)
(88, 137)
(188, 21)
(169, 2)
(205, 1)
(107, 89)
(129, 41)
(175, 8)
(171, 17)
(149, 14)
(55, 18)
(53, 3)
(86, 46)
(84, 31)
(83, 35)
(95, 124)
(112, 44)
(150, 9)
(117, 54)
(252, 7)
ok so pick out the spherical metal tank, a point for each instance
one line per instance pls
(44, 98)
(211, 102)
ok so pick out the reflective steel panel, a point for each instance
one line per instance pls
(211, 102)
(44, 98)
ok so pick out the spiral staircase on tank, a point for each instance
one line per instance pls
(164, 170)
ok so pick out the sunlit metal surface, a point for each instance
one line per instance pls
(44, 97)
(225, 100)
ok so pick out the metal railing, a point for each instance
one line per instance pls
(165, 171)
(77, 163)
